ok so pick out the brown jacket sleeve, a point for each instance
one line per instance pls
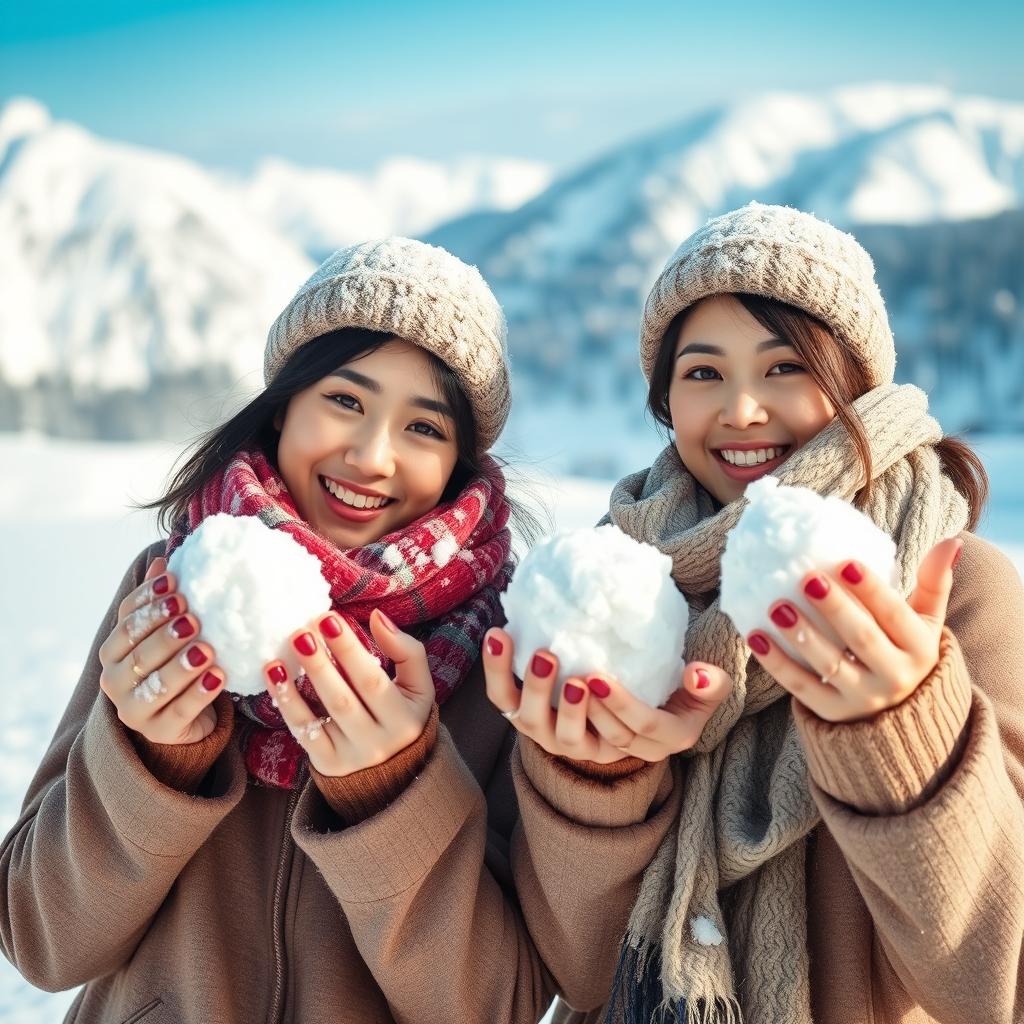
(94, 811)
(425, 871)
(925, 802)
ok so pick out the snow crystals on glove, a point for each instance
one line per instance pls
(601, 602)
(250, 587)
(783, 534)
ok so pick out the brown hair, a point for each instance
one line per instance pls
(841, 379)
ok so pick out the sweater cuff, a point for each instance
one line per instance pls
(900, 758)
(183, 766)
(359, 796)
(598, 772)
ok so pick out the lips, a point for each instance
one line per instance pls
(747, 473)
(347, 512)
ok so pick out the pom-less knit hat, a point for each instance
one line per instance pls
(417, 292)
(779, 253)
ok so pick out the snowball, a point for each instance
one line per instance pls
(250, 587)
(784, 534)
(601, 602)
(704, 931)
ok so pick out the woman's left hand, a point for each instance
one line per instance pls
(892, 643)
(370, 717)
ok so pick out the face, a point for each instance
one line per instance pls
(370, 448)
(741, 400)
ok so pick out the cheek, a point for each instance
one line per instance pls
(810, 414)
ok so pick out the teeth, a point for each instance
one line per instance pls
(351, 498)
(751, 458)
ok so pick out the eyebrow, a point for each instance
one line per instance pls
(713, 350)
(419, 401)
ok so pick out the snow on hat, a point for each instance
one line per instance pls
(417, 292)
(779, 253)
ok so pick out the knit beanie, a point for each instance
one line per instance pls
(779, 253)
(419, 293)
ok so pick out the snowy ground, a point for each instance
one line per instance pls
(67, 537)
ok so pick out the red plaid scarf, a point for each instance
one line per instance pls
(438, 578)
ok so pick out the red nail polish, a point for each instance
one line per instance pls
(210, 681)
(171, 605)
(196, 656)
(540, 666)
(598, 687)
(956, 557)
(386, 622)
(182, 628)
(816, 587)
(759, 643)
(277, 674)
(703, 679)
(161, 585)
(851, 573)
(330, 627)
(573, 694)
(305, 644)
(784, 616)
(494, 646)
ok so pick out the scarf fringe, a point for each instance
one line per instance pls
(637, 996)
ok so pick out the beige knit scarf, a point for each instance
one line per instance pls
(734, 866)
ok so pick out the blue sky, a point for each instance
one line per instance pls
(346, 85)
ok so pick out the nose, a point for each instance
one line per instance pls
(371, 451)
(742, 408)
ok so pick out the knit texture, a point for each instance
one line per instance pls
(420, 293)
(783, 254)
(737, 856)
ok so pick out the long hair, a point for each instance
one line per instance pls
(841, 378)
(252, 427)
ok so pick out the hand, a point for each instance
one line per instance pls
(370, 717)
(598, 720)
(162, 685)
(892, 644)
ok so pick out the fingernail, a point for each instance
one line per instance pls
(171, 605)
(277, 674)
(540, 666)
(759, 643)
(956, 557)
(182, 628)
(305, 644)
(598, 687)
(573, 694)
(703, 679)
(195, 656)
(852, 573)
(210, 681)
(784, 616)
(161, 585)
(494, 646)
(816, 587)
(330, 627)
(386, 622)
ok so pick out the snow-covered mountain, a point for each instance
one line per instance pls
(133, 282)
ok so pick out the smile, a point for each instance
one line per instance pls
(352, 505)
(748, 464)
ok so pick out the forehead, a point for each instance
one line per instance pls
(398, 364)
(723, 320)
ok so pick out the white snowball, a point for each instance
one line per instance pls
(784, 534)
(250, 587)
(601, 602)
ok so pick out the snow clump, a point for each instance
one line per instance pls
(601, 602)
(250, 587)
(783, 534)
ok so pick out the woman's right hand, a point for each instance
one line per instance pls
(161, 682)
(598, 719)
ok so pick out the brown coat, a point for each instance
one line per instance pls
(916, 874)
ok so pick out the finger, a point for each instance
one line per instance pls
(186, 693)
(412, 671)
(571, 721)
(337, 696)
(636, 715)
(156, 567)
(146, 640)
(501, 683)
(935, 581)
(153, 588)
(535, 707)
(704, 688)
(310, 731)
(161, 686)
(821, 698)
(607, 726)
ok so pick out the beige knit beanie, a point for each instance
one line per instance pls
(783, 254)
(420, 293)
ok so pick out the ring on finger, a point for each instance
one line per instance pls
(150, 688)
(136, 671)
(847, 655)
(511, 715)
(310, 730)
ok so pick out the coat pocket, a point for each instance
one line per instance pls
(142, 1012)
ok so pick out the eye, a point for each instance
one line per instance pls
(427, 430)
(696, 371)
(785, 368)
(345, 401)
